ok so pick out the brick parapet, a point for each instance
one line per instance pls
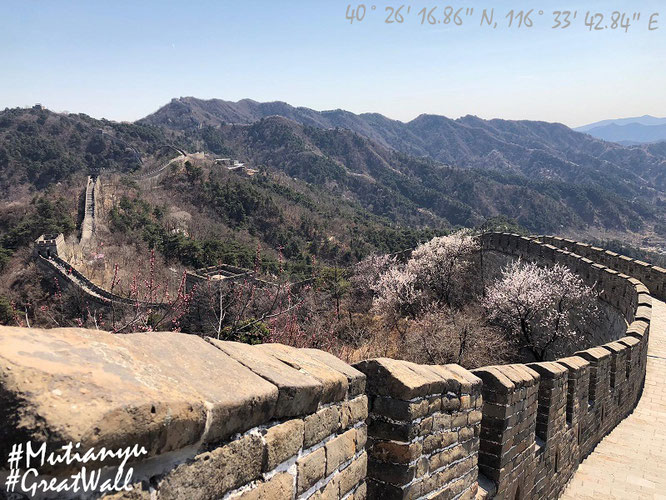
(217, 419)
(227, 420)
(654, 277)
(539, 420)
(423, 428)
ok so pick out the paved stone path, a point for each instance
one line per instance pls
(631, 461)
(88, 224)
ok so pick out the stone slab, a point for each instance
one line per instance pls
(299, 393)
(395, 378)
(334, 383)
(156, 390)
(355, 378)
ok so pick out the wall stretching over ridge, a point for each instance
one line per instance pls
(89, 217)
(233, 421)
(69, 277)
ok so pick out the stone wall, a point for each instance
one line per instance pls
(48, 250)
(423, 430)
(569, 405)
(218, 419)
(538, 420)
(210, 278)
(653, 277)
(49, 245)
(68, 277)
(228, 420)
(89, 214)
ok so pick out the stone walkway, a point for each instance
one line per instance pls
(631, 461)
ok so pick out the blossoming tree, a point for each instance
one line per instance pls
(436, 274)
(542, 309)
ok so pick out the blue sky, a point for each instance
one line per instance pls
(124, 59)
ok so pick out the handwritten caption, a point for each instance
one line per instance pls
(621, 21)
(25, 460)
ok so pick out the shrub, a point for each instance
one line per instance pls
(442, 335)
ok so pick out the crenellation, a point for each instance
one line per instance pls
(230, 420)
(594, 390)
(422, 428)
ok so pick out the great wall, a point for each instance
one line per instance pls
(49, 250)
(234, 421)
(88, 224)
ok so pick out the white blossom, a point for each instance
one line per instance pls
(436, 273)
(397, 293)
(540, 307)
(367, 272)
(442, 264)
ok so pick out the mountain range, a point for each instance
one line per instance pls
(430, 173)
(628, 131)
(538, 151)
(549, 151)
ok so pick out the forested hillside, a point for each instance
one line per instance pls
(40, 148)
(310, 196)
(545, 177)
(418, 190)
(550, 150)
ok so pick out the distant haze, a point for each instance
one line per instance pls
(638, 130)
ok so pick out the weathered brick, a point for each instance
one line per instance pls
(353, 474)
(279, 487)
(353, 411)
(361, 492)
(320, 425)
(282, 442)
(459, 420)
(310, 469)
(395, 451)
(465, 433)
(425, 427)
(361, 437)
(474, 417)
(450, 403)
(331, 491)
(398, 474)
(339, 450)
(441, 421)
(431, 443)
(213, 473)
(400, 410)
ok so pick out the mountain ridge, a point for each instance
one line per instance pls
(630, 134)
(648, 120)
(468, 141)
(544, 176)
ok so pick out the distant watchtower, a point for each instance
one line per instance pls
(49, 245)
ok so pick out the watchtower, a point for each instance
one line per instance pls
(49, 245)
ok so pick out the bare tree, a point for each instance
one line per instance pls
(443, 335)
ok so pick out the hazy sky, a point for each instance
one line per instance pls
(123, 59)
